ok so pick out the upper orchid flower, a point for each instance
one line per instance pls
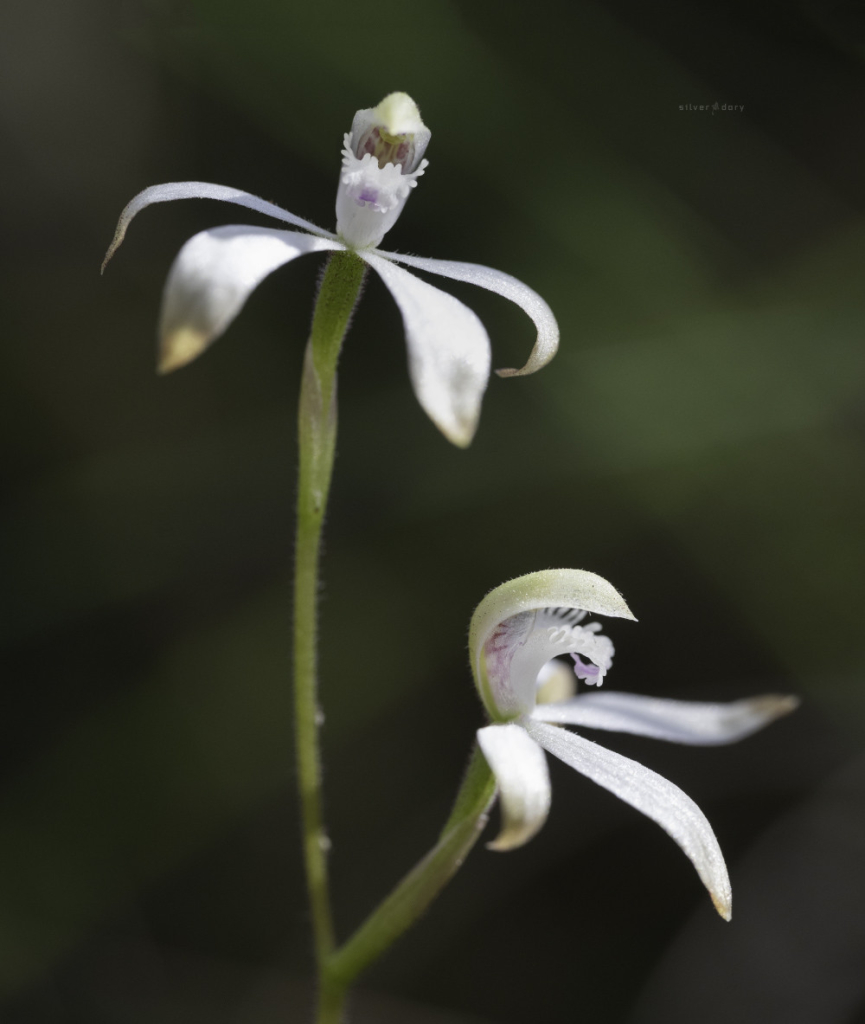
(515, 633)
(448, 348)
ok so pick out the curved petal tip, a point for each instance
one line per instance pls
(774, 705)
(180, 347)
(723, 904)
(461, 434)
(112, 249)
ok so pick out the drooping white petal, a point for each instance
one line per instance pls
(648, 792)
(448, 350)
(547, 342)
(212, 277)
(203, 190)
(520, 768)
(508, 651)
(678, 721)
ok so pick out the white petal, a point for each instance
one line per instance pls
(202, 190)
(657, 798)
(448, 350)
(678, 721)
(212, 277)
(547, 342)
(520, 768)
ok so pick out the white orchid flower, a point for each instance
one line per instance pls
(448, 348)
(516, 632)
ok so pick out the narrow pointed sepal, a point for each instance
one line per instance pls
(547, 341)
(448, 350)
(202, 190)
(677, 721)
(655, 796)
(212, 277)
(523, 779)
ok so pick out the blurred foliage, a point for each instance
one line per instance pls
(699, 441)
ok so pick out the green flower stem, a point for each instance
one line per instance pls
(337, 296)
(331, 1002)
(421, 885)
(338, 968)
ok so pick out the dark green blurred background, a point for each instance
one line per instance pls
(698, 441)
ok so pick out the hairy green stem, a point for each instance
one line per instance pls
(338, 968)
(331, 1001)
(339, 290)
(411, 897)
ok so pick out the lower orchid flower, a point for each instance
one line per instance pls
(517, 632)
(448, 348)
